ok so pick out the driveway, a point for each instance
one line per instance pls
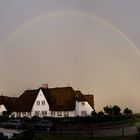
(116, 131)
(10, 132)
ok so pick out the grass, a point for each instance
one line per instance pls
(119, 123)
(83, 138)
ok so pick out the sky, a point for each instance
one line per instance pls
(91, 45)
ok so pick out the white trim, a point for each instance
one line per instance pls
(40, 105)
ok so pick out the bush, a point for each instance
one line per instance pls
(4, 118)
(26, 119)
(35, 119)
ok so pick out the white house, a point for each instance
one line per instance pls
(84, 104)
(53, 102)
(7, 104)
(2, 109)
(40, 106)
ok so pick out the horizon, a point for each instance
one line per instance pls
(92, 46)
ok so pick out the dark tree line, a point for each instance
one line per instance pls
(113, 110)
(112, 113)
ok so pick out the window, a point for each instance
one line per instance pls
(44, 113)
(59, 114)
(43, 102)
(83, 103)
(23, 113)
(52, 113)
(38, 102)
(66, 114)
(37, 113)
(13, 115)
(18, 114)
(29, 114)
(83, 113)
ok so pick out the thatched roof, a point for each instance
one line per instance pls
(8, 102)
(26, 100)
(59, 99)
(79, 96)
(89, 98)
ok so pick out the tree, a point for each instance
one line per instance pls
(6, 113)
(127, 111)
(108, 110)
(101, 113)
(93, 113)
(116, 110)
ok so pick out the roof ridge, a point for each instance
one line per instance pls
(61, 88)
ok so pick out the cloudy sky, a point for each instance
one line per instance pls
(91, 45)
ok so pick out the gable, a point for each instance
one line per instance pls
(89, 98)
(40, 97)
(2, 108)
(58, 99)
(26, 101)
(8, 102)
(40, 103)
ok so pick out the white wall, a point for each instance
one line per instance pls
(38, 106)
(62, 113)
(2, 108)
(21, 114)
(80, 108)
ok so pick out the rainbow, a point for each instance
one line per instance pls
(59, 13)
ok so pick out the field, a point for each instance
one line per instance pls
(84, 138)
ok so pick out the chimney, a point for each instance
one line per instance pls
(44, 85)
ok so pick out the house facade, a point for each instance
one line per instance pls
(2, 109)
(7, 104)
(53, 102)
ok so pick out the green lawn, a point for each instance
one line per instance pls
(119, 123)
(84, 138)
